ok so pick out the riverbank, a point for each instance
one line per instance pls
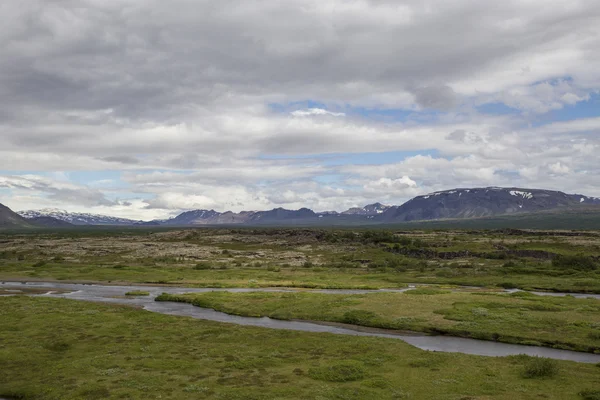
(183, 307)
(517, 318)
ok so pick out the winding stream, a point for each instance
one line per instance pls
(115, 294)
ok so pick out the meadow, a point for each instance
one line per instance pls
(521, 318)
(564, 261)
(58, 348)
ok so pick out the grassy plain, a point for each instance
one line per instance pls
(309, 258)
(559, 322)
(59, 349)
(56, 349)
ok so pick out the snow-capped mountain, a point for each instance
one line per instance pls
(455, 203)
(370, 209)
(194, 217)
(483, 202)
(77, 218)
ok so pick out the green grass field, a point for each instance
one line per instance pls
(64, 349)
(309, 258)
(566, 322)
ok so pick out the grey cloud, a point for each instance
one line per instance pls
(186, 85)
(121, 159)
(86, 197)
(436, 97)
(458, 135)
(64, 192)
(154, 60)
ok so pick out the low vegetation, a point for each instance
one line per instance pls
(540, 368)
(137, 293)
(559, 322)
(308, 258)
(58, 349)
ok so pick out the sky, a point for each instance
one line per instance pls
(146, 108)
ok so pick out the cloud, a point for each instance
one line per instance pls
(316, 111)
(559, 168)
(177, 97)
(121, 159)
(401, 187)
(55, 190)
(436, 97)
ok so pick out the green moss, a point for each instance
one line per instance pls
(117, 352)
(558, 322)
(339, 372)
(137, 293)
(539, 367)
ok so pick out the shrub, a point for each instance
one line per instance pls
(480, 311)
(427, 291)
(202, 265)
(379, 383)
(590, 394)
(431, 360)
(39, 264)
(308, 264)
(358, 317)
(579, 262)
(538, 367)
(57, 346)
(342, 372)
(137, 293)
(377, 264)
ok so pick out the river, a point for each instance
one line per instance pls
(115, 294)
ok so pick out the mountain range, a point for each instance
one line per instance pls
(74, 218)
(447, 204)
(10, 219)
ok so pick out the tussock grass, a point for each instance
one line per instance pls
(137, 293)
(538, 367)
(559, 322)
(117, 352)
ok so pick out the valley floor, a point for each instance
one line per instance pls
(54, 348)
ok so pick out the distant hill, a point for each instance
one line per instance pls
(483, 202)
(370, 209)
(49, 222)
(583, 218)
(212, 217)
(194, 217)
(10, 219)
(452, 204)
(77, 218)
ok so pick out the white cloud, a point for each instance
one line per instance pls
(559, 168)
(401, 187)
(181, 99)
(316, 111)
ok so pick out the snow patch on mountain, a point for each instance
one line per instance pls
(77, 218)
(525, 195)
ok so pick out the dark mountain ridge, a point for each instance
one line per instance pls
(10, 219)
(459, 203)
(482, 202)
